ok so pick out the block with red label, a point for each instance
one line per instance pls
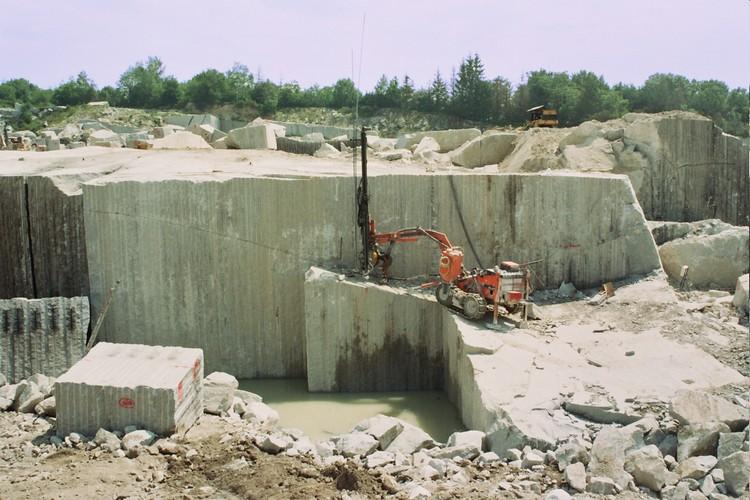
(116, 385)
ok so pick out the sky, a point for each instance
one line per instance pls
(318, 42)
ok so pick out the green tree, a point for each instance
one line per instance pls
(110, 94)
(291, 96)
(438, 94)
(471, 93)
(709, 98)
(78, 90)
(736, 115)
(664, 92)
(240, 85)
(344, 94)
(266, 94)
(141, 85)
(207, 88)
(500, 94)
(171, 93)
(20, 90)
(406, 93)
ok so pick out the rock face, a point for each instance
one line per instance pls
(43, 336)
(447, 139)
(237, 325)
(717, 254)
(487, 149)
(252, 137)
(683, 167)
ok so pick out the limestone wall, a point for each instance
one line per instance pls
(220, 265)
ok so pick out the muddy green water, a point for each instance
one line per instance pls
(321, 415)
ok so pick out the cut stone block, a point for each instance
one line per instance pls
(156, 388)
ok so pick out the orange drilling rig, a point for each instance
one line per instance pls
(469, 292)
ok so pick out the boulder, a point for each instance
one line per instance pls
(447, 139)
(220, 144)
(532, 458)
(380, 143)
(356, 444)
(602, 485)
(410, 439)
(557, 494)
(394, 154)
(252, 137)
(381, 427)
(609, 450)
(218, 392)
(729, 442)
(379, 459)
(716, 255)
(648, 469)
(327, 151)
(696, 467)
(741, 299)
(247, 397)
(45, 384)
(573, 451)
(107, 440)
(699, 439)
(466, 451)
(575, 476)
(426, 145)
(488, 149)
(313, 137)
(137, 438)
(695, 407)
(181, 140)
(274, 443)
(736, 469)
(261, 414)
(104, 137)
(206, 131)
(488, 457)
(46, 408)
(473, 438)
(28, 398)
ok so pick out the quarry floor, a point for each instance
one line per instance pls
(227, 467)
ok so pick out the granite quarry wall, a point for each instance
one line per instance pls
(220, 264)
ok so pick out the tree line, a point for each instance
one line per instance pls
(466, 94)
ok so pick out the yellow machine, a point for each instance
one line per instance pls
(542, 116)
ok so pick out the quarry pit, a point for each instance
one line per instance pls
(251, 256)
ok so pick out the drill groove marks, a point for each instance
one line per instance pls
(116, 385)
(41, 335)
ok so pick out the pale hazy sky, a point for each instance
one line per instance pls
(47, 41)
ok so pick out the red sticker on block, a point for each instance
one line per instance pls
(179, 392)
(126, 403)
(196, 368)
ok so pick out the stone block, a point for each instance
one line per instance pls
(252, 137)
(490, 148)
(117, 385)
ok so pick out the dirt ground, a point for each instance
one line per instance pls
(223, 465)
